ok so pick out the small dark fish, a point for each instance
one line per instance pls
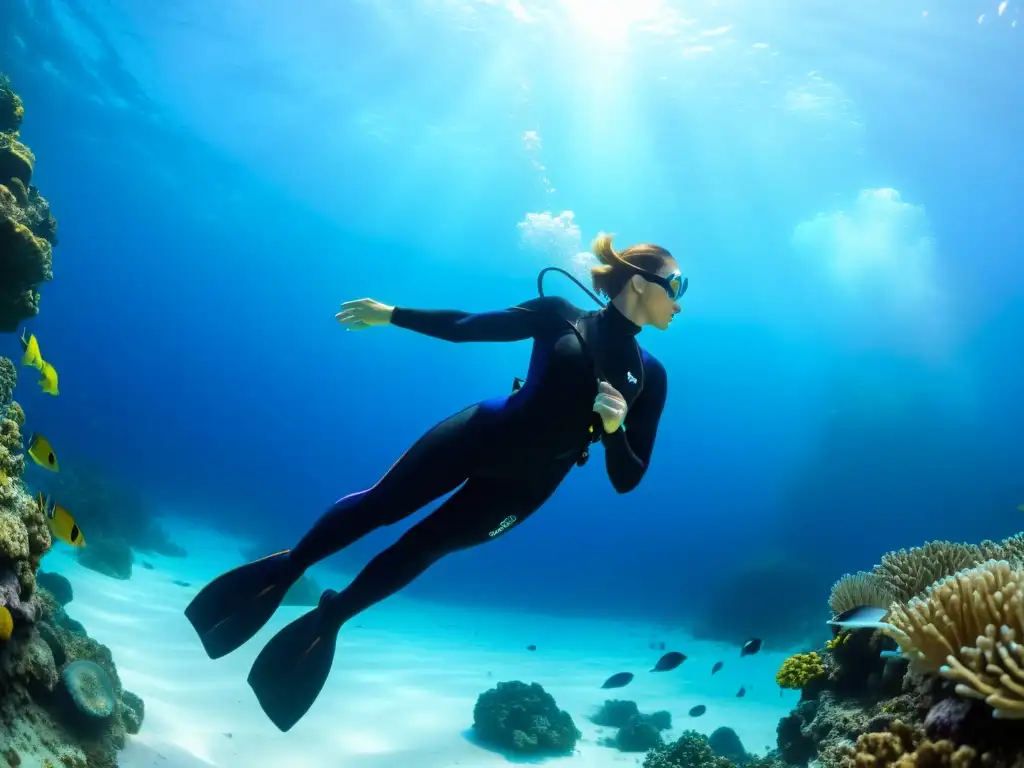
(699, 710)
(618, 680)
(656, 645)
(751, 647)
(717, 668)
(742, 692)
(147, 566)
(180, 583)
(531, 647)
(669, 661)
(859, 617)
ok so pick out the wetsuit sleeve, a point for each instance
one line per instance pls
(628, 452)
(522, 321)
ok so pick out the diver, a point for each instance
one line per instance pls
(588, 380)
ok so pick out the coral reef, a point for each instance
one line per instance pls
(857, 589)
(725, 743)
(690, 750)
(28, 231)
(45, 647)
(523, 718)
(89, 689)
(966, 627)
(8, 378)
(908, 572)
(799, 670)
(11, 109)
(953, 693)
(906, 747)
(637, 732)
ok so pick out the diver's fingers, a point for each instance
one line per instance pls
(351, 323)
(355, 303)
(606, 388)
(611, 401)
(350, 316)
(606, 404)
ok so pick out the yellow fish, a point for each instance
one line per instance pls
(48, 379)
(41, 451)
(61, 523)
(30, 349)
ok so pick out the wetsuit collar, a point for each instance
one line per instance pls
(619, 322)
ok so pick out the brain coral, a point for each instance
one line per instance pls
(90, 688)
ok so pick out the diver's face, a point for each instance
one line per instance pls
(659, 307)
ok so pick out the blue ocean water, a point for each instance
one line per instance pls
(841, 184)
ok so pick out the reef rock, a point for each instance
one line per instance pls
(523, 718)
(45, 646)
(28, 231)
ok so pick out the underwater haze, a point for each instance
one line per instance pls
(840, 182)
(841, 185)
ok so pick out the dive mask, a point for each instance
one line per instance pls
(675, 285)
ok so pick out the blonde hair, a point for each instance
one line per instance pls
(611, 276)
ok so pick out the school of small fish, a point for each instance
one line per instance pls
(674, 659)
(61, 523)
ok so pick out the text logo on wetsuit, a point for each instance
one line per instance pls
(507, 523)
(630, 377)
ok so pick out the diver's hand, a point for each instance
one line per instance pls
(363, 313)
(610, 405)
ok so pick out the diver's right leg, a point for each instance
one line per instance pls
(436, 464)
(229, 610)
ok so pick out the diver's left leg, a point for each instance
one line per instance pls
(291, 670)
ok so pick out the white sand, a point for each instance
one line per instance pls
(405, 679)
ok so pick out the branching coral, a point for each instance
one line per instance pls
(908, 572)
(905, 747)
(857, 589)
(799, 669)
(966, 627)
(1010, 549)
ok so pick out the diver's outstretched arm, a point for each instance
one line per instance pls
(522, 321)
(628, 451)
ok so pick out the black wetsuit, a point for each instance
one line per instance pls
(509, 454)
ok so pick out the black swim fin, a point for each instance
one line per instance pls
(291, 670)
(234, 606)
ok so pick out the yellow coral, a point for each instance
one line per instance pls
(6, 624)
(966, 628)
(838, 640)
(799, 669)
